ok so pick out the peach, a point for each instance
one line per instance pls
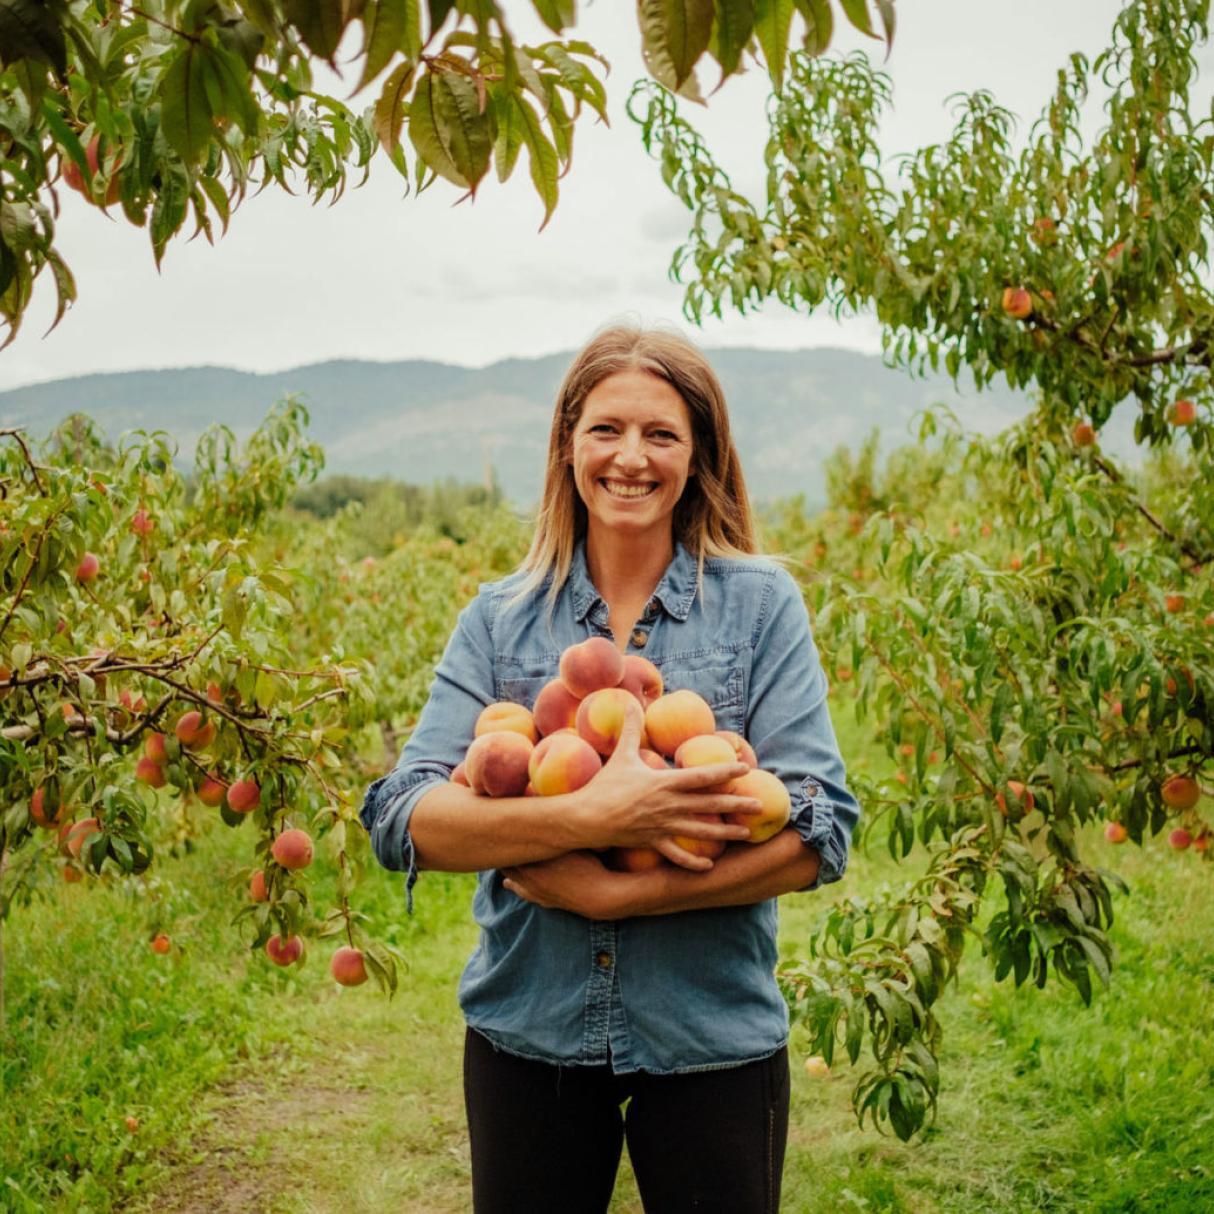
(742, 748)
(133, 704)
(284, 952)
(72, 875)
(1017, 302)
(1021, 796)
(214, 693)
(1083, 434)
(78, 834)
(1173, 603)
(460, 775)
(293, 849)
(555, 708)
(1183, 413)
(161, 944)
(347, 966)
(259, 891)
(1180, 792)
(244, 796)
(153, 748)
(673, 718)
(496, 764)
(1115, 832)
(506, 717)
(642, 678)
(6, 676)
(817, 1067)
(651, 758)
(704, 750)
(772, 795)
(601, 718)
(1179, 839)
(594, 664)
(212, 790)
(142, 522)
(562, 763)
(636, 859)
(42, 814)
(188, 728)
(711, 848)
(149, 772)
(88, 568)
(132, 1124)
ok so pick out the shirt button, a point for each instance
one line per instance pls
(639, 638)
(603, 960)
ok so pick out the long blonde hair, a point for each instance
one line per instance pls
(712, 518)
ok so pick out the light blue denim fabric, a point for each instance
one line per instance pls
(666, 993)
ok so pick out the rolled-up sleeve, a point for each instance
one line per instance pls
(788, 724)
(462, 687)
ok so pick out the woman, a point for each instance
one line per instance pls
(592, 988)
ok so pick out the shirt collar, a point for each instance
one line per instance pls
(675, 592)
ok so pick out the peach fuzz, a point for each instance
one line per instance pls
(555, 708)
(591, 666)
(642, 678)
(772, 796)
(601, 718)
(741, 747)
(509, 718)
(562, 763)
(496, 764)
(711, 848)
(671, 719)
(635, 859)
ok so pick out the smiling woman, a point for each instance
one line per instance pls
(593, 989)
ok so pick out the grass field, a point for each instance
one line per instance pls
(258, 1089)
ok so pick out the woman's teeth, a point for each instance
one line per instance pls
(618, 490)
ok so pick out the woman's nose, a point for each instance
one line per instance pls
(631, 453)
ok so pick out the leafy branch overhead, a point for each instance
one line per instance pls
(171, 111)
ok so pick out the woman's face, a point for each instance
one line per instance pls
(631, 453)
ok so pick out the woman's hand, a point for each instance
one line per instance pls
(576, 882)
(629, 804)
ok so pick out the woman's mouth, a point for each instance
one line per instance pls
(628, 489)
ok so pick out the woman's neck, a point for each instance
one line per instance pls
(626, 568)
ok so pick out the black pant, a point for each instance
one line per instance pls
(547, 1139)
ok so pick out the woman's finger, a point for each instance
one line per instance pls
(682, 857)
(687, 778)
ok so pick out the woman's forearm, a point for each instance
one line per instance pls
(455, 831)
(745, 874)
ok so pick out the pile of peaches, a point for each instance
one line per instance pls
(560, 744)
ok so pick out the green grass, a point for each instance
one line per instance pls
(258, 1089)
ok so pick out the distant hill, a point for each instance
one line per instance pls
(420, 421)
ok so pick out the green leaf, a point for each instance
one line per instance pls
(674, 33)
(30, 30)
(772, 21)
(185, 113)
(386, 23)
(856, 12)
(889, 21)
(819, 24)
(509, 136)
(390, 108)
(545, 168)
(448, 129)
(231, 74)
(557, 15)
(320, 25)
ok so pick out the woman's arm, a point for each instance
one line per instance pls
(745, 874)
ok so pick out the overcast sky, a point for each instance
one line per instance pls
(383, 276)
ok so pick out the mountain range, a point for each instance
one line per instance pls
(422, 421)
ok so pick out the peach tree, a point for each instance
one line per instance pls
(1030, 629)
(170, 112)
(147, 660)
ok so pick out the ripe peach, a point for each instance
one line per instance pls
(212, 791)
(1083, 434)
(133, 704)
(635, 859)
(1183, 413)
(284, 952)
(88, 568)
(642, 678)
(1180, 792)
(5, 676)
(142, 522)
(594, 664)
(151, 773)
(496, 764)
(42, 814)
(188, 728)
(1021, 796)
(293, 849)
(259, 891)
(704, 750)
(244, 796)
(204, 737)
(460, 775)
(161, 943)
(562, 763)
(816, 1067)
(555, 708)
(742, 748)
(506, 716)
(214, 693)
(601, 717)
(1179, 839)
(1017, 302)
(79, 833)
(72, 875)
(1202, 842)
(673, 718)
(347, 966)
(1173, 603)
(711, 848)
(1115, 832)
(153, 748)
(132, 1124)
(74, 178)
(770, 792)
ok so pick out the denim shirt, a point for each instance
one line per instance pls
(664, 993)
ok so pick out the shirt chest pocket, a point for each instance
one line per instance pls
(720, 686)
